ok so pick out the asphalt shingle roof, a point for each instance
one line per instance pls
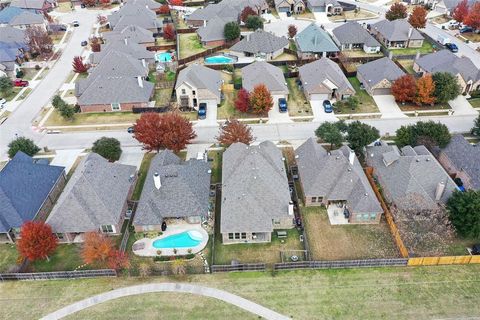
(134, 14)
(260, 42)
(201, 77)
(214, 30)
(94, 196)
(28, 4)
(184, 190)
(134, 49)
(376, 71)
(24, 186)
(9, 13)
(352, 33)
(226, 9)
(27, 18)
(255, 188)
(261, 72)
(10, 34)
(315, 39)
(132, 33)
(396, 30)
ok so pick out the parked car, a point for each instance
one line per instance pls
(20, 83)
(453, 24)
(202, 111)
(466, 29)
(75, 23)
(452, 47)
(327, 106)
(131, 130)
(2, 103)
(282, 105)
(443, 40)
(476, 249)
(84, 43)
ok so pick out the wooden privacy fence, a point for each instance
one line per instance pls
(388, 215)
(435, 261)
(58, 275)
(399, 262)
(239, 267)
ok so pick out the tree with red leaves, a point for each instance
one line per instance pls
(292, 31)
(261, 100)
(178, 3)
(166, 131)
(242, 103)
(404, 88)
(168, 32)
(461, 11)
(36, 241)
(164, 9)
(102, 20)
(78, 65)
(89, 3)
(425, 90)
(418, 18)
(38, 40)
(235, 131)
(105, 2)
(118, 260)
(396, 11)
(247, 12)
(97, 248)
(473, 17)
(95, 44)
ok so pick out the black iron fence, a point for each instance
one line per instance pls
(58, 275)
(239, 267)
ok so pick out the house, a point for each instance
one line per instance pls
(292, 6)
(150, 4)
(175, 191)
(261, 72)
(378, 76)
(328, 6)
(397, 34)
(38, 6)
(212, 34)
(314, 42)
(94, 199)
(467, 74)
(324, 80)
(261, 44)
(411, 178)
(135, 14)
(28, 189)
(28, 19)
(13, 50)
(461, 160)
(133, 34)
(447, 6)
(337, 181)
(135, 50)
(255, 194)
(352, 36)
(198, 84)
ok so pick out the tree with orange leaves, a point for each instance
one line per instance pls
(97, 248)
(118, 260)
(425, 90)
(261, 100)
(166, 131)
(418, 18)
(36, 241)
(235, 131)
(168, 32)
(404, 88)
(473, 17)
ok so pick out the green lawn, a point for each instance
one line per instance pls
(163, 96)
(66, 257)
(93, 118)
(227, 108)
(475, 102)
(189, 45)
(297, 103)
(11, 94)
(142, 174)
(425, 48)
(446, 292)
(366, 104)
(216, 165)
(408, 65)
(8, 256)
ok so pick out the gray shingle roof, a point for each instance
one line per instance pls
(315, 77)
(184, 190)
(134, 49)
(333, 177)
(132, 33)
(225, 9)
(410, 182)
(214, 30)
(134, 14)
(396, 30)
(27, 18)
(10, 34)
(322, 3)
(466, 157)
(315, 39)
(24, 186)
(260, 42)
(446, 61)
(201, 77)
(261, 72)
(352, 33)
(94, 196)
(376, 71)
(150, 4)
(28, 4)
(255, 188)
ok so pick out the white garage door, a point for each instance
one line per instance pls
(318, 96)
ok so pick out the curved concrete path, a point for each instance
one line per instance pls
(167, 287)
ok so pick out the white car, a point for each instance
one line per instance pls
(2, 103)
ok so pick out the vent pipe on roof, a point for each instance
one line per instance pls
(140, 82)
(439, 191)
(290, 208)
(156, 180)
(143, 63)
(126, 41)
(351, 157)
(410, 31)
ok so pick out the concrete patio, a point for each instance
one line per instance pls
(335, 214)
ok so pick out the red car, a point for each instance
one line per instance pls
(20, 83)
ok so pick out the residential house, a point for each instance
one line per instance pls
(324, 80)
(314, 42)
(28, 19)
(328, 6)
(261, 44)
(467, 74)
(94, 199)
(198, 84)
(212, 34)
(28, 190)
(461, 160)
(352, 36)
(150, 4)
(133, 34)
(255, 194)
(397, 34)
(447, 6)
(378, 76)
(335, 179)
(38, 6)
(134, 14)
(292, 6)
(135, 50)
(12, 50)
(262, 72)
(174, 190)
(411, 178)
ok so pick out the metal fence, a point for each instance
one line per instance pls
(150, 109)
(340, 264)
(58, 275)
(239, 267)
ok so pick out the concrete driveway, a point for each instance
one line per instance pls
(388, 106)
(274, 115)
(321, 18)
(132, 156)
(211, 119)
(460, 105)
(66, 158)
(319, 113)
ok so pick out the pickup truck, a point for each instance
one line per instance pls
(20, 83)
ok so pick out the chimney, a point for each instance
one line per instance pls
(156, 180)
(439, 191)
(140, 82)
(290, 208)
(204, 23)
(125, 40)
(143, 63)
(410, 31)
(417, 56)
(351, 157)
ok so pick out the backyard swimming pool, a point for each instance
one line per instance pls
(186, 239)
(163, 57)
(220, 59)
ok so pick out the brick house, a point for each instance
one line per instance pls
(397, 34)
(378, 76)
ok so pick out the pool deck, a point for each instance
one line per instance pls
(150, 251)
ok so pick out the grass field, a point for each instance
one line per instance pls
(216, 165)
(370, 293)
(366, 104)
(92, 118)
(408, 65)
(425, 48)
(142, 175)
(189, 45)
(475, 102)
(346, 242)
(65, 257)
(8, 256)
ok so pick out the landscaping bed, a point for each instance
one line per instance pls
(297, 103)
(472, 36)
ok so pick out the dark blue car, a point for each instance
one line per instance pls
(327, 106)
(282, 105)
(466, 29)
(202, 111)
(452, 47)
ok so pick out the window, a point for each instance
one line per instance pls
(59, 236)
(314, 199)
(107, 228)
(237, 235)
(365, 216)
(373, 216)
(115, 106)
(244, 235)
(183, 91)
(276, 221)
(230, 236)
(193, 92)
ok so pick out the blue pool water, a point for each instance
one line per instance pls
(163, 57)
(219, 59)
(187, 239)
